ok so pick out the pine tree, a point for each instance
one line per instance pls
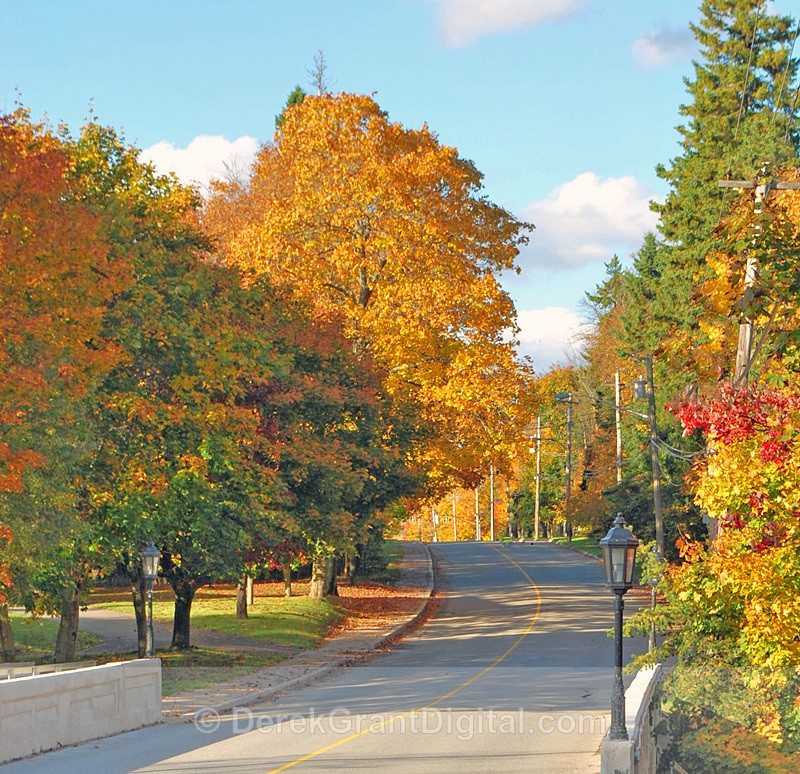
(296, 97)
(742, 111)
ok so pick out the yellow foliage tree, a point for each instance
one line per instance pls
(769, 235)
(386, 229)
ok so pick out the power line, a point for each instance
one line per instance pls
(740, 114)
(746, 81)
(786, 75)
(791, 113)
(673, 451)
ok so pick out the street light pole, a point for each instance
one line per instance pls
(150, 558)
(455, 513)
(618, 728)
(619, 556)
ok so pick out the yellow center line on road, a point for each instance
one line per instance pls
(380, 724)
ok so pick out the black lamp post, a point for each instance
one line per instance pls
(619, 554)
(150, 558)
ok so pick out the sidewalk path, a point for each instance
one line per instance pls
(299, 667)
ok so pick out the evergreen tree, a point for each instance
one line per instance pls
(741, 113)
(296, 97)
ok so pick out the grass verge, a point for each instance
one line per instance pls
(35, 638)
(297, 622)
(188, 670)
(182, 670)
(590, 545)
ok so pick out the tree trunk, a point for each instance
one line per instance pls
(241, 598)
(330, 588)
(181, 625)
(317, 589)
(249, 589)
(356, 561)
(8, 651)
(68, 626)
(139, 595)
(287, 581)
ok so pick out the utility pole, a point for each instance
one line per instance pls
(566, 397)
(435, 520)
(455, 512)
(617, 406)
(762, 189)
(477, 516)
(509, 532)
(648, 361)
(567, 512)
(491, 503)
(538, 477)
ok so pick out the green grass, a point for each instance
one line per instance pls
(299, 622)
(35, 638)
(188, 670)
(296, 621)
(590, 545)
(182, 670)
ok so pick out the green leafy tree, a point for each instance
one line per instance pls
(57, 277)
(181, 460)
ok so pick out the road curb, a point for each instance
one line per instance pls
(366, 648)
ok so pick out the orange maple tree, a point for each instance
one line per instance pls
(387, 230)
(54, 277)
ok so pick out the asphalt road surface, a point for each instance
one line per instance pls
(512, 674)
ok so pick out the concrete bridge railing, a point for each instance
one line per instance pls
(637, 754)
(45, 711)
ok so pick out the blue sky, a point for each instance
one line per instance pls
(566, 106)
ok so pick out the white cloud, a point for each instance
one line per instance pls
(203, 159)
(587, 220)
(663, 46)
(463, 21)
(550, 336)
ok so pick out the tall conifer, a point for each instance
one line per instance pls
(742, 112)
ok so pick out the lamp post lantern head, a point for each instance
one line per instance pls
(639, 388)
(150, 559)
(563, 396)
(619, 555)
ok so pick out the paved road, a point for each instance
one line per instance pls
(512, 674)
